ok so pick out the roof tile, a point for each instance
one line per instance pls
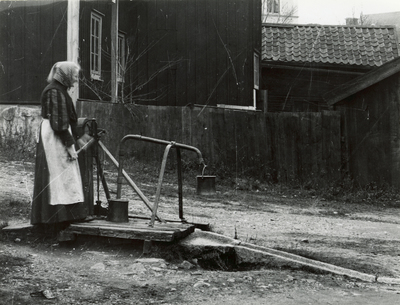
(354, 45)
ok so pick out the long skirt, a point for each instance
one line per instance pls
(58, 192)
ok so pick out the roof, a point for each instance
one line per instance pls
(392, 18)
(364, 81)
(14, 4)
(329, 44)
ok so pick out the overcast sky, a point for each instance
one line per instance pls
(335, 11)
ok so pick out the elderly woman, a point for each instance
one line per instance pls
(58, 192)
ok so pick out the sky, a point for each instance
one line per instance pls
(335, 11)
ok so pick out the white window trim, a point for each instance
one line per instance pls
(236, 107)
(121, 55)
(95, 74)
(273, 7)
(256, 71)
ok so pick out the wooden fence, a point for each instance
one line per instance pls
(279, 147)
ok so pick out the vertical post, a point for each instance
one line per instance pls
(180, 188)
(114, 51)
(264, 98)
(120, 171)
(73, 40)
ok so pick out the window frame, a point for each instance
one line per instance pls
(273, 6)
(95, 55)
(121, 56)
(256, 70)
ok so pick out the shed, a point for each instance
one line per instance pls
(370, 124)
(300, 63)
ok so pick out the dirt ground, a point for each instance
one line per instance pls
(362, 237)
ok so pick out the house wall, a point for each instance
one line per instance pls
(289, 12)
(300, 89)
(33, 37)
(179, 52)
(190, 52)
(371, 135)
(88, 88)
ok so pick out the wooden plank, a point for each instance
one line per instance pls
(244, 54)
(305, 142)
(331, 151)
(120, 228)
(191, 52)
(126, 234)
(73, 39)
(134, 224)
(318, 165)
(211, 53)
(18, 226)
(231, 53)
(219, 141)
(201, 40)
(182, 50)
(153, 49)
(171, 17)
(161, 232)
(362, 82)
(114, 50)
(393, 98)
(223, 67)
(273, 136)
(272, 149)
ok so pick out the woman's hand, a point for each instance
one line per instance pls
(83, 141)
(72, 152)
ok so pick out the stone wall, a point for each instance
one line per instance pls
(18, 129)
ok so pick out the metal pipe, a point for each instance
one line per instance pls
(158, 141)
(86, 146)
(160, 180)
(178, 146)
(130, 181)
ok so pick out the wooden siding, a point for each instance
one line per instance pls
(190, 52)
(95, 89)
(179, 52)
(371, 133)
(301, 88)
(33, 38)
(281, 147)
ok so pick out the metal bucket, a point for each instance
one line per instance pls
(118, 210)
(205, 185)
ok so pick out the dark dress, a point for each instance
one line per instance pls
(58, 108)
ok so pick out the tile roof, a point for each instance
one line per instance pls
(328, 44)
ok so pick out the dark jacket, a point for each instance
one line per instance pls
(57, 106)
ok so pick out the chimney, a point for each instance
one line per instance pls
(352, 21)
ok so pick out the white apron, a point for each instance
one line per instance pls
(65, 181)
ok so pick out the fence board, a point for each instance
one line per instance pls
(281, 147)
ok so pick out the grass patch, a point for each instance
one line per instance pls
(14, 209)
(18, 149)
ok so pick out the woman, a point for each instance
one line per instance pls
(58, 192)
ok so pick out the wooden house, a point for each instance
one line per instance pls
(159, 52)
(370, 125)
(300, 63)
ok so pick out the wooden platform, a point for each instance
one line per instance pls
(134, 229)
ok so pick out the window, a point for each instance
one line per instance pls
(121, 57)
(95, 46)
(256, 71)
(273, 6)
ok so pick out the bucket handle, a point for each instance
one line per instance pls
(202, 172)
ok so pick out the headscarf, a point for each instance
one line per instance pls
(63, 71)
